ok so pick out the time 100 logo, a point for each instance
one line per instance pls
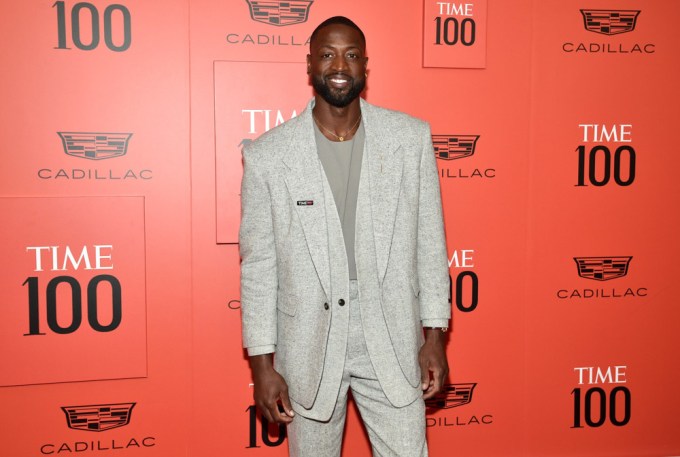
(116, 21)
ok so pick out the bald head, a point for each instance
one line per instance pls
(337, 20)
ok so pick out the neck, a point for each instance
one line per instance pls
(337, 124)
(337, 119)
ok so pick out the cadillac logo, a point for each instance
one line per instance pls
(610, 22)
(450, 147)
(279, 12)
(452, 395)
(602, 268)
(95, 146)
(98, 418)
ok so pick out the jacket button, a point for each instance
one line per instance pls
(341, 302)
(325, 306)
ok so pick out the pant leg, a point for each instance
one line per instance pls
(394, 432)
(312, 438)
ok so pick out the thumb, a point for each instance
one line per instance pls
(285, 401)
(424, 377)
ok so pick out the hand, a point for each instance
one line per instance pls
(432, 358)
(270, 389)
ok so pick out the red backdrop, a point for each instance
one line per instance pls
(122, 125)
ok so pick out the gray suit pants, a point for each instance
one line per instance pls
(393, 432)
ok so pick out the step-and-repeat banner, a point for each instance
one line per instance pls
(122, 129)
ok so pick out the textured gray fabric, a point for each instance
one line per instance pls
(341, 162)
(393, 432)
(294, 270)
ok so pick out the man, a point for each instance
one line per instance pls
(344, 272)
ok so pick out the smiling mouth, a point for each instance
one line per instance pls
(338, 80)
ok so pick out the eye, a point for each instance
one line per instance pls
(326, 55)
(352, 55)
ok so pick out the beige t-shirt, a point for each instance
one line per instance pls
(341, 161)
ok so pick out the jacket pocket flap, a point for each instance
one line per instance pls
(287, 304)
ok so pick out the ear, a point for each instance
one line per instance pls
(309, 64)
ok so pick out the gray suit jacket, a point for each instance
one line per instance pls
(294, 264)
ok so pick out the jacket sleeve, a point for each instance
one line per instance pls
(259, 281)
(433, 269)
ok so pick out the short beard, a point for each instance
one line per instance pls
(335, 99)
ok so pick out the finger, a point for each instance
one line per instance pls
(438, 380)
(278, 416)
(429, 393)
(430, 390)
(285, 402)
(278, 413)
(424, 376)
(264, 410)
(282, 417)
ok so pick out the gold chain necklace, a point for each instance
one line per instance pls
(340, 138)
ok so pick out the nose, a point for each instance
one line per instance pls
(339, 63)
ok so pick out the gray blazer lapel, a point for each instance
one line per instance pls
(385, 165)
(305, 184)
